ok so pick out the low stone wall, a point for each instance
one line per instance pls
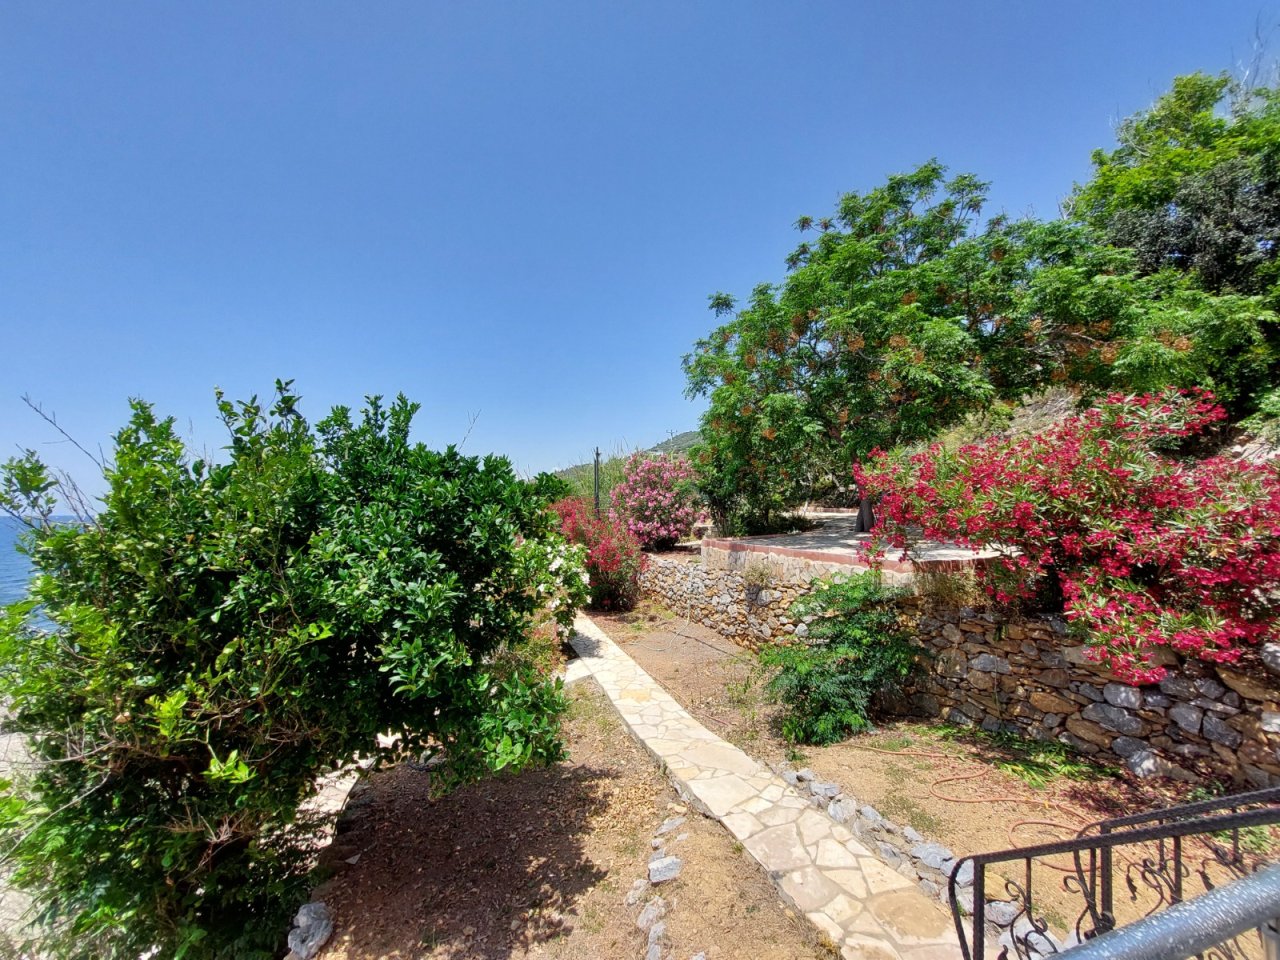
(787, 565)
(1027, 677)
(798, 565)
(749, 613)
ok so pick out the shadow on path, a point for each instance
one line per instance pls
(484, 872)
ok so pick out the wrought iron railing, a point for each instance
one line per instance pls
(1162, 858)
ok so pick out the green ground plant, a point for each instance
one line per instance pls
(1037, 763)
(758, 575)
(224, 633)
(858, 650)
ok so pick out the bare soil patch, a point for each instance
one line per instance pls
(971, 793)
(540, 864)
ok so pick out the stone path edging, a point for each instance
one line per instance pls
(870, 911)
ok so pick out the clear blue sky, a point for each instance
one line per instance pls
(510, 209)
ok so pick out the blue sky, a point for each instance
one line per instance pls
(509, 211)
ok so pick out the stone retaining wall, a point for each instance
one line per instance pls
(1027, 677)
(751, 608)
(787, 565)
(1024, 676)
(793, 565)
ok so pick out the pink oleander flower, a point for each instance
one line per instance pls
(656, 499)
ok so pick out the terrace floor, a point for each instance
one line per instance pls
(835, 540)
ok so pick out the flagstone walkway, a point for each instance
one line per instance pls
(819, 867)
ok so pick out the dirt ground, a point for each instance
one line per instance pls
(540, 865)
(970, 793)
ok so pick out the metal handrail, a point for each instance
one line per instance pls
(1104, 914)
(1192, 926)
(1184, 811)
(1093, 880)
(1182, 828)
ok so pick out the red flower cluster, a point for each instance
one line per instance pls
(1146, 550)
(614, 559)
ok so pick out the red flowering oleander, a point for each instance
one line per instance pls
(1146, 550)
(614, 558)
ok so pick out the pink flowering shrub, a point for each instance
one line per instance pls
(1140, 549)
(656, 499)
(614, 559)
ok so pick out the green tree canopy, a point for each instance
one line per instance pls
(901, 316)
(1194, 185)
(904, 312)
(1193, 190)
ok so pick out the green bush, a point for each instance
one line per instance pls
(1266, 422)
(223, 633)
(550, 487)
(858, 650)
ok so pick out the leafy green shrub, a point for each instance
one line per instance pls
(226, 632)
(1266, 422)
(859, 649)
(550, 487)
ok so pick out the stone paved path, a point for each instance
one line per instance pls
(819, 867)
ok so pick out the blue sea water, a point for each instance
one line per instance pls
(15, 569)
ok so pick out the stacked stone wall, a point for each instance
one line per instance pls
(751, 608)
(792, 566)
(1023, 676)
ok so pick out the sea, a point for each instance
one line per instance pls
(15, 569)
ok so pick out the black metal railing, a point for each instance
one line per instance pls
(1161, 857)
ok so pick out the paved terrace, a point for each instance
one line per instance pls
(868, 910)
(834, 541)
